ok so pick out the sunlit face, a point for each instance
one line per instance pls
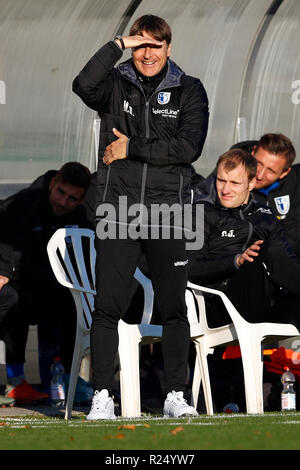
(64, 197)
(233, 187)
(148, 59)
(270, 168)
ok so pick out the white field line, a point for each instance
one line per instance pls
(46, 424)
(11, 422)
(144, 419)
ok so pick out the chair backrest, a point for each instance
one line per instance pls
(199, 292)
(2, 353)
(195, 307)
(196, 313)
(148, 296)
(72, 256)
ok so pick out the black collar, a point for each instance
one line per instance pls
(150, 84)
(240, 208)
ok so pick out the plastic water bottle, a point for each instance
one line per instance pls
(57, 387)
(288, 394)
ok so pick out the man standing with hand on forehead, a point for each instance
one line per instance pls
(154, 122)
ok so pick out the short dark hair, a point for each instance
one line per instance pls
(234, 157)
(248, 145)
(154, 25)
(74, 173)
(278, 144)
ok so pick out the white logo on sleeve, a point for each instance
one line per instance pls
(181, 263)
(163, 97)
(282, 204)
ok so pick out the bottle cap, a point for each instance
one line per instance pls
(286, 368)
(57, 359)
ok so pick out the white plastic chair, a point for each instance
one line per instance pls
(250, 337)
(2, 353)
(205, 340)
(78, 274)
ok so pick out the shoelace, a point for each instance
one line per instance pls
(178, 398)
(98, 400)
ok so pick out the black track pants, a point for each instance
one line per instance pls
(115, 267)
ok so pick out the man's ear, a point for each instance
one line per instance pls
(252, 183)
(51, 184)
(285, 173)
(169, 50)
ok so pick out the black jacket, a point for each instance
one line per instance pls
(166, 132)
(228, 232)
(284, 200)
(27, 225)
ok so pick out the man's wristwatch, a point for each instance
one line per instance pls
(121, 41)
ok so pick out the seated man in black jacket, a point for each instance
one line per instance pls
(247, 256)
(277, 183)
(245, 253)
(29, 292)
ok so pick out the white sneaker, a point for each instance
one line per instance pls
(102, 406)
(176, 406)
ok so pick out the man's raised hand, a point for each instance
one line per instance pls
(250, 253)
(138, 41)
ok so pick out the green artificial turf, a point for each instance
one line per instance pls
(271, 431)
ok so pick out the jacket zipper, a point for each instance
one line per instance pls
(106, 184)
(250, 231)
(180, 189)
(147, 112)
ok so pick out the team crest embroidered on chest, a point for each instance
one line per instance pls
(282, 204)
(163, 97)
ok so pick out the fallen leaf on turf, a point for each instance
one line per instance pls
(117, 436)
(146, 425)
(176, 430)
(127, 426)
(3, 424)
